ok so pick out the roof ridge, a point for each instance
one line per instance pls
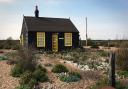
(47, 17)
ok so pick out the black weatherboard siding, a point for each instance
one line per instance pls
(32, 40)
(32, 25)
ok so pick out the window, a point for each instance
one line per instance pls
(68, 39)
(40, 39)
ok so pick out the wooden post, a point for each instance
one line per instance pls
(86, 33)
(113, 81)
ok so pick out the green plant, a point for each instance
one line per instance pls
(32, 78)
(40, 76)
(26, 59)
(100, 83)
(48, 65)
(104, 82)
(95, 46)
(39, 67)
(59, 68)
(32, 82)
(3, 58)
(9, 43)
(70, 77)
(126, 87)
(102, 53)
(26, 77)
(75, 74)
(24, 86)
(119, 85)
(1, 44)
(16, 71)
(28, 69)
(12, 57)
(123, 73)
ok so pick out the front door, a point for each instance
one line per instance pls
(55, 42)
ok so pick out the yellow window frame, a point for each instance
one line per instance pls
(68, 39)
(40, 38)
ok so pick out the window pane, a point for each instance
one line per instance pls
(40, 39)
(68, 39)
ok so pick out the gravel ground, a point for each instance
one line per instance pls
(9, 82)
(55, 83)
(6, 81)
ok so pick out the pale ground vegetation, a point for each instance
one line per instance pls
(55, 83)
(89, 77)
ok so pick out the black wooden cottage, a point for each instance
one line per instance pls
(55, 34)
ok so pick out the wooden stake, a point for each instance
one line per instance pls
(113, 81)
(86, 33)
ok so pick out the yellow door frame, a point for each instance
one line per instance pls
(55, 42)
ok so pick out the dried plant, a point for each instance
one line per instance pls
(122, 56)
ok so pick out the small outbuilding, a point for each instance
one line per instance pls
(53, 34)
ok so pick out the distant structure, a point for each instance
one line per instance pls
(54, 34)
(36, 12)
(86, 33)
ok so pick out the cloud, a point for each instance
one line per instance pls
(6, 1)
(54, 2)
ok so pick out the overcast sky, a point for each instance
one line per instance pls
(107, 19)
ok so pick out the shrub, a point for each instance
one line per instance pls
(12, 58)
(26, 77)
(122, 57)
(48, 65)
(3, 58)
(28, 70)
(40, 76)
(68, 79)
(95, 46)
(123, 73)
(75, 74)
(100, 83)
(17, 46)
(1, 45)
(32, 78)
(24, 86)
(120, 86)
(102, 53)
(27, 59)
(39, 67)
(104, 82)
(59, 68)
(71, 77)
(16, 71)
(32, 82)
(9, 43)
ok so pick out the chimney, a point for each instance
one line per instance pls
(36, 12)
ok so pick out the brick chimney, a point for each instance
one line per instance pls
(36, 12)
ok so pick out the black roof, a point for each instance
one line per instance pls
(49, 24)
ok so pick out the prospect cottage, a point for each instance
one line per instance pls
(54, 34)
